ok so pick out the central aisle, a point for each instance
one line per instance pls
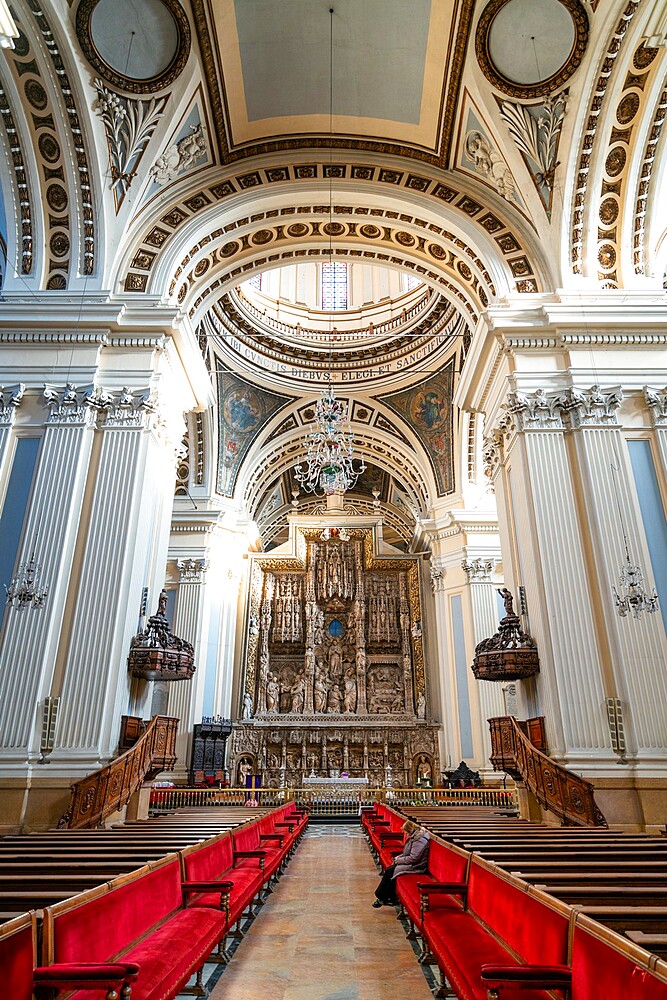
(318, 937)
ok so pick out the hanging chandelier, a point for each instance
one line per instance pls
(330, 463)
(633, 599)
(26, 590)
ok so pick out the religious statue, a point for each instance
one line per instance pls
(247, 706)
(421, 706)
(335, 660)
(320, 689)
(334, 700)
(253, 625)
(272, 693)
(416, 629)
(298, 691)
(423, 771)
(508, 601)
(350, 696)
(244, 769)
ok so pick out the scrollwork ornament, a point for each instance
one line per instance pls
(656, 401)
(478, 570)
(591, 407)
(10, 399)
(533, 411)
(71, 404)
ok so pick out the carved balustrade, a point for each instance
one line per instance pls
(108, 789)
(556, 788)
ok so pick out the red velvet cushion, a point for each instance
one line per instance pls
(169, 956)
(247, 838)
(445, 865)
(209, 862)
(108, 924)
(16, 961)
(531, 929)
(598, 970)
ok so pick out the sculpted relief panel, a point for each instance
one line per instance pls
(335, 638)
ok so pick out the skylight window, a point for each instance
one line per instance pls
(334, 285)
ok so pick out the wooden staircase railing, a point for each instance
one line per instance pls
(560, 791)
(108, 789)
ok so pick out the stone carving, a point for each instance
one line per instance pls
(180, 157)
(478, 570)
(287, 609)
(272, 693)
(536, 133)
(591, 407)
(191, 570)
(490, 164)
(10, 398)
(247, 705)
(656, 401)
(534, 410)
(129, 126)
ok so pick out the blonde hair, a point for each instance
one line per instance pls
(410, 827)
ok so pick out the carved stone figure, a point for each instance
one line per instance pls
(421, 706)
(180, 157)
(247, 705)
(320, 689)
(297, 691)
(350, 696)
(244, 769)
(423, 770)
(490, 164)
(335, 699)
(272, 693)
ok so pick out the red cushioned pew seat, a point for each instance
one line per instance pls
(214, 862)
(502, 924)
(447, 864)
(138, 918)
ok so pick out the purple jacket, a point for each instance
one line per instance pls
(414, 856)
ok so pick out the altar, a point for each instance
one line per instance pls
(338, 784)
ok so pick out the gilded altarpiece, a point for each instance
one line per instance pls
(335, 681)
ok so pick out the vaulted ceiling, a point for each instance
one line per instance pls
(493, 148)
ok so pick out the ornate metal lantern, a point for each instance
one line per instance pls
(510, 654)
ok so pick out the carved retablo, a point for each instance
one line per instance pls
(335, 641)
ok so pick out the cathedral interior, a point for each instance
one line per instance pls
(444, 220)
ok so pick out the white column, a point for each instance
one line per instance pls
(124, 551)
(485, 624)
(31, 639)
(443, 698)
(10, 399)
(187, 625)
(638, 647)
(550, 560)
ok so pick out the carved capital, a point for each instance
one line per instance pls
(478, 570)
(71, 404)
(191, 570)
(438, 574)
(591, 407)
(533, 411)
(127, 408)
(656, 401)
(10, 399)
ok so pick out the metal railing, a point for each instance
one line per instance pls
(330, 801)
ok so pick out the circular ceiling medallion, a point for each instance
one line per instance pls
(136, 45)
(529, 48)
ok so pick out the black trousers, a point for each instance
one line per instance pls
(386, 891)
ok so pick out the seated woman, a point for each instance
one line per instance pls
(412, 859)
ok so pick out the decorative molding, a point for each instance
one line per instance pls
(656, 401)
(645, 175)
(437, 575)
(84, 16)
(192, 570)
(126, 408)
(10, 399)
(478, 570)
(490, 164)
(156, 236)
(537, 138)
(129, 125)
(24, 223)
(588, 139)
(591, 407)
(542, 87)
(88, 248)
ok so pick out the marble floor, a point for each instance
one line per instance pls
(318, 938)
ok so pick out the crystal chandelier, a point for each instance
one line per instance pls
(633, 599)
(330, 460)
(26, 590)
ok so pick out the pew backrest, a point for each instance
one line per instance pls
(18, 945)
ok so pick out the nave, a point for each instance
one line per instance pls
(318, 938)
